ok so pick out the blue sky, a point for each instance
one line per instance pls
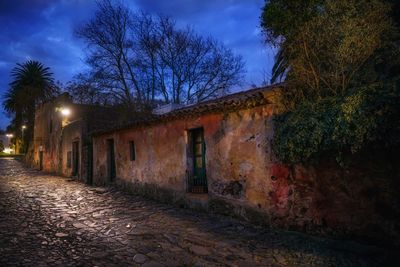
(43, 30)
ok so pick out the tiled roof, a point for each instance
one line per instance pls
(241, 100)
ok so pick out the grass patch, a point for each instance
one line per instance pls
(5, 155)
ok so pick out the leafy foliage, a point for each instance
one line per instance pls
(341, 62)
(368, 116)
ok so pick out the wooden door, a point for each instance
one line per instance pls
(75, 158)
(198, 183)
(40, 160)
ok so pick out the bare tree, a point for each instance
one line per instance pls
(193, 68)
(86, 89)
(107, 36)
(140, 58)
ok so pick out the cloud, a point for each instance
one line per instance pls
(43, 30)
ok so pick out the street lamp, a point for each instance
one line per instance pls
(65, 112)
(23, 127)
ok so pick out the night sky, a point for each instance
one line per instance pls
(43, 30)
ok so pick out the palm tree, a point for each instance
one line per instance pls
(281, 66)
(32, 83)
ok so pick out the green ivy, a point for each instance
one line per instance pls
(363, 117)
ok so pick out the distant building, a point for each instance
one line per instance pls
(166, 108)
(62, 143)
(6, 144)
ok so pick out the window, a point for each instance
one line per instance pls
(132, 151)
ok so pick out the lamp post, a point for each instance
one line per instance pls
(65, 112)
(23, 127)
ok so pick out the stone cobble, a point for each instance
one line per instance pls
(53, 221)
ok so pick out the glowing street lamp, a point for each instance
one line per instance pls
(65, 112)
(23, 128)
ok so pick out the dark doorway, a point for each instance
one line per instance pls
(198, 180)
(111, 160)
(75, 158)
(40, 160)
(89, 178)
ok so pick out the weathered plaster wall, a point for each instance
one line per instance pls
(359, 200)
(57, 141)
(237, 155)
(71, 133)
(246, 181)
(46, 140)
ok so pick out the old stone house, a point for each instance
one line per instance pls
(61, 142)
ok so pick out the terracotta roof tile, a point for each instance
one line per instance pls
(241, 100)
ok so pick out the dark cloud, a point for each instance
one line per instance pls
(43, 30)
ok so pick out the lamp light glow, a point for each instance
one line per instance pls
(65, 111)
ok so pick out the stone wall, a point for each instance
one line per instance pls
(360, 199)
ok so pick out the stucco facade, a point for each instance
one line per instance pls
(237, 154)
(62, 144)
(244, 179)
(217, 156)
(44, 153)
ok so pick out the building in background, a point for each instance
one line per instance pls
(61, 142)
(6, 144)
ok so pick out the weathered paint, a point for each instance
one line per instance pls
(71, 133)
(45, 139)
(237, 155)
(56, 144)
(246, 180)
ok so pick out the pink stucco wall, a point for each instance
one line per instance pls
(245, 179)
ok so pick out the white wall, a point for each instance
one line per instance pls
(6, 144)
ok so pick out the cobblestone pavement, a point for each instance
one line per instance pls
(53, 221)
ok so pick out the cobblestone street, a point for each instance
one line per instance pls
(53, 221)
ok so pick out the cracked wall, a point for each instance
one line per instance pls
(245, 179)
